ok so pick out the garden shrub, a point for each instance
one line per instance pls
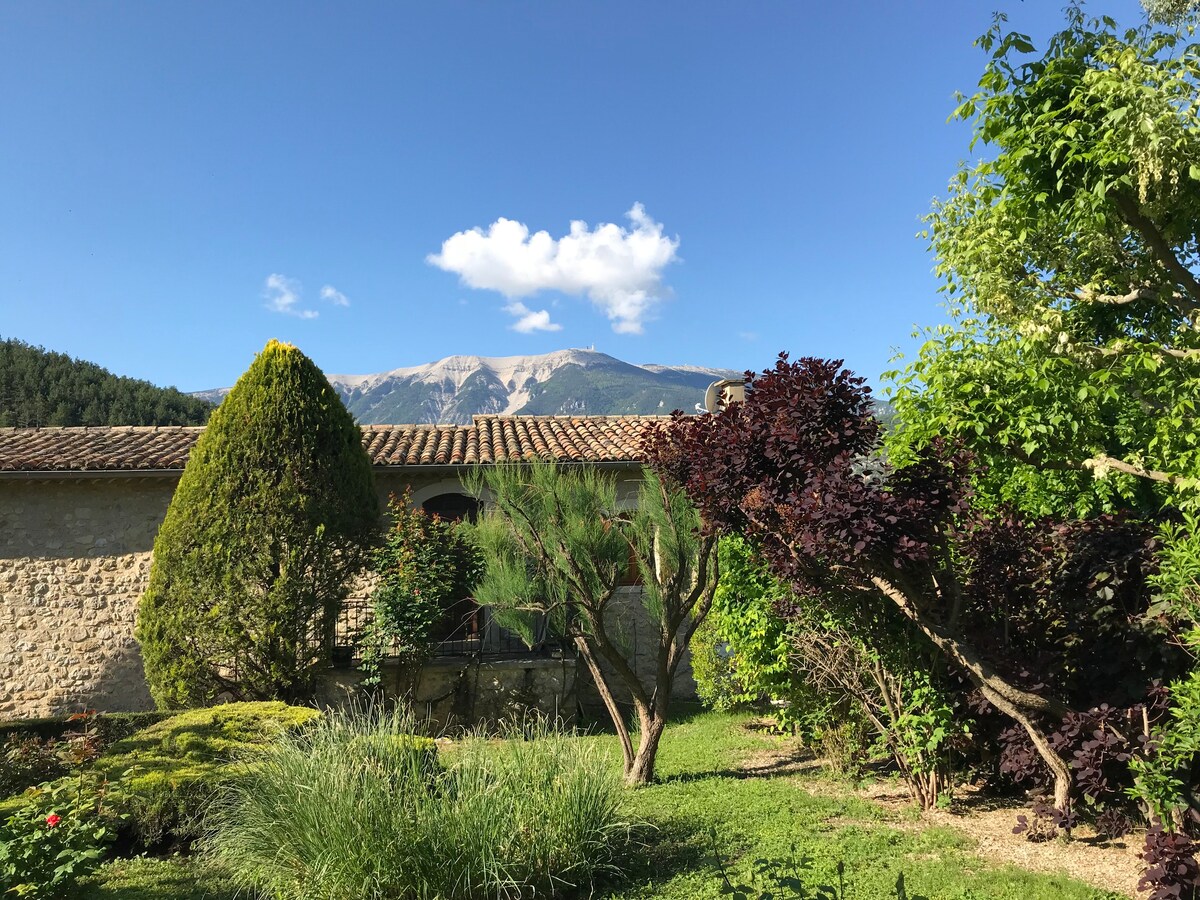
(161, 777)
(40, 750)
(714, 669)
(743, 657)
(844, 745)
(854, 687)
(426, 569)
(743, 653)
(55, 836)
(355, 807)
(109, 727)
(273, 515)
(167, 772)
(26, 761)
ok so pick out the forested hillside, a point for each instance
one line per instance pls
(39, 387)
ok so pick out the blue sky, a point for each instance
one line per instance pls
(181, 182)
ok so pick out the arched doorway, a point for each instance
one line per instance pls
(453, 506)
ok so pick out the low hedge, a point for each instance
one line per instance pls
(160, 777)
(34, 751)
(110, 727)
(167, 772)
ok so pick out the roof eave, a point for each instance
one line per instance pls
(423, 468)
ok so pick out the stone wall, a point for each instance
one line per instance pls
(462, 693)
(74, 557)
(74, 560)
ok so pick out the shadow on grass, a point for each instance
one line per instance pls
(691, 777)
(156, 879)
(656, 853)
(803, 762)
(598, 722)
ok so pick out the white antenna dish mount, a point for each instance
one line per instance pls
(721, 393)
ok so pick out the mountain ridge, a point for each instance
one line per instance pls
(573, 381)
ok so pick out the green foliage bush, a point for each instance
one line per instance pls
(355, 808)
(56, 836)
(109, 727)
(715, 669)
(426, 569)
(1170, 11)
(35, 751)
(1067, 247)
(854, 687)
(166, 774)
(742, 654)
(272, 516)
(160, 778)
(27, 759)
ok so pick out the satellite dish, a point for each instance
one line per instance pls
(712, 396)
(721, 393)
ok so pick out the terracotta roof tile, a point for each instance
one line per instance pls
(488, 439)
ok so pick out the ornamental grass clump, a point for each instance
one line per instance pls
(358, 807)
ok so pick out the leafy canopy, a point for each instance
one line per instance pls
(1170, 11)
(1070, 254)
(426, 568)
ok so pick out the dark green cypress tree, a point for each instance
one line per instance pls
(271, 519)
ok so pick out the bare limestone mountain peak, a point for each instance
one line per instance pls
(574, 381)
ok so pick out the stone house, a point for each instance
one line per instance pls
(80, 508)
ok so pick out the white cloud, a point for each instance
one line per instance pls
(530, 320)
(618, 269)
(334, 296)
(283, 296)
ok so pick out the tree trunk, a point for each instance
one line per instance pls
(1010, 700)
(1056, 764)
(610, 703)
(652, 725)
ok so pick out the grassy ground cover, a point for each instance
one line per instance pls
(705, 806)
(702, 790)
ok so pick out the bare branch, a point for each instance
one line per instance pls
(1189, 305)
(1098, 464)
(980, 672)
(1103, 461)
(1138, 293)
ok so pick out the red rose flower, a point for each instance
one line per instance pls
(53, 819)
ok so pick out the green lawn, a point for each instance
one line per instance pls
(702, 793)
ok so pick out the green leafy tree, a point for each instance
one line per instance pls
(1170, 11)
(272, 516)
(1070, 255)
(557, 545)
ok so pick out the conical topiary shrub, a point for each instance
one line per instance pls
(271, 518)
